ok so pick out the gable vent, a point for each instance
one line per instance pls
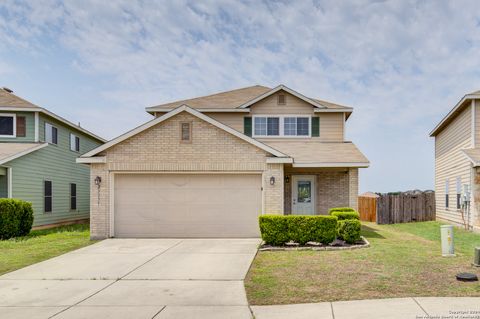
(281, 99)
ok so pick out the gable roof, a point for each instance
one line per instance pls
(458, 108)
(12, 102)
(239, 100)
(223, 100)
(11, 151)
(183, 108)
(473, 154)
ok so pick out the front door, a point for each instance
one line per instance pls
(303, 195)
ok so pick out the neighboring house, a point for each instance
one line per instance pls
(457, 162)
(209, 166)
(37, 161)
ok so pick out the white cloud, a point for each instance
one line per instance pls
(402, 64)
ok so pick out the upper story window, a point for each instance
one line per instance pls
(281, 126)
(7, 125)
(186, 132)
(281, 99)
(74, 143)
(51, 134)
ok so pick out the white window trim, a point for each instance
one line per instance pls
(45, 132)
(73, 149)
(281, 124)
(14, 116)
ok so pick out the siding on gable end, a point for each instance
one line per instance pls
(55, 163)
(477, 123)
(29, 128)
(451, 163)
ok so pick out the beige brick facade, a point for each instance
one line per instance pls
(334, 188)
(159, 150)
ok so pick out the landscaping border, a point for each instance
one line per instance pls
(264, 247)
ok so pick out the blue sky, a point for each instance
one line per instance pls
(401, 64)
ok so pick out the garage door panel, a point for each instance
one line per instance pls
(183, 205)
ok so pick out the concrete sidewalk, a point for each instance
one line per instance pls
(396, 308)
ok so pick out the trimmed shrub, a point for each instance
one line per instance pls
(349, 230)
(346, 215)
(340, 209)
(16, 218)
(25, 219)
(278, 230)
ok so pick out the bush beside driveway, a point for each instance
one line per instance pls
(404, 260)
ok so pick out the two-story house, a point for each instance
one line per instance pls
(457, 163)
(209, 166)
(37, 161)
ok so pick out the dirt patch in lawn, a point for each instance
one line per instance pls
(398, 264)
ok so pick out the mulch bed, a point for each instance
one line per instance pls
(336, 245)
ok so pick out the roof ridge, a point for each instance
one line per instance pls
(210, 95)
(20, 98)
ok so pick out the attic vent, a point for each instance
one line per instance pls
(282, 99)
(7, 89)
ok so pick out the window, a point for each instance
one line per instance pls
(446, 192)
(281, 126)
(7, 125)
(267, 126)
(459, 192)
(74, 143)
(281, 99)
(296, 126)
(73, 196)
(186, 132)
(47, 191)
(261, 126)
(21, 126)
(273, 126)
(51, 134)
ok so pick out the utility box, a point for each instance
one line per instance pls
(476, 257)
(446, 232)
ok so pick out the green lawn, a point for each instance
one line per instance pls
(403, 260)
(41, 245)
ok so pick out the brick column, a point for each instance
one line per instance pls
(273, 194)
(353, 188)
(99, 202)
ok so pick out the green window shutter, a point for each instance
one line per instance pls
(247, 126)
(315, 126)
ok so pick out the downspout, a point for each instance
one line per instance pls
(9, 182)
(471, 205)
(37, 128)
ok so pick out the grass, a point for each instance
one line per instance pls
(40, 245)
(403, 260)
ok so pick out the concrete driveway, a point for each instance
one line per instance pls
(135, 278)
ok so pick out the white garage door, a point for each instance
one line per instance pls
(184, 205)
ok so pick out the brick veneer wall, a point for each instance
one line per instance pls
(159, 149)
(333, 189)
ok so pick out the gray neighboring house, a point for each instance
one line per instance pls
(457, 163)
(38, 150)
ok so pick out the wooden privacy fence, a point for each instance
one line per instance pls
(367, 207)
(397, 208)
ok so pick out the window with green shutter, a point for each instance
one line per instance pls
(315, 126)
(247, 126)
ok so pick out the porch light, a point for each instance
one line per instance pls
(272, 180)
(98, 180)
(287, 179)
